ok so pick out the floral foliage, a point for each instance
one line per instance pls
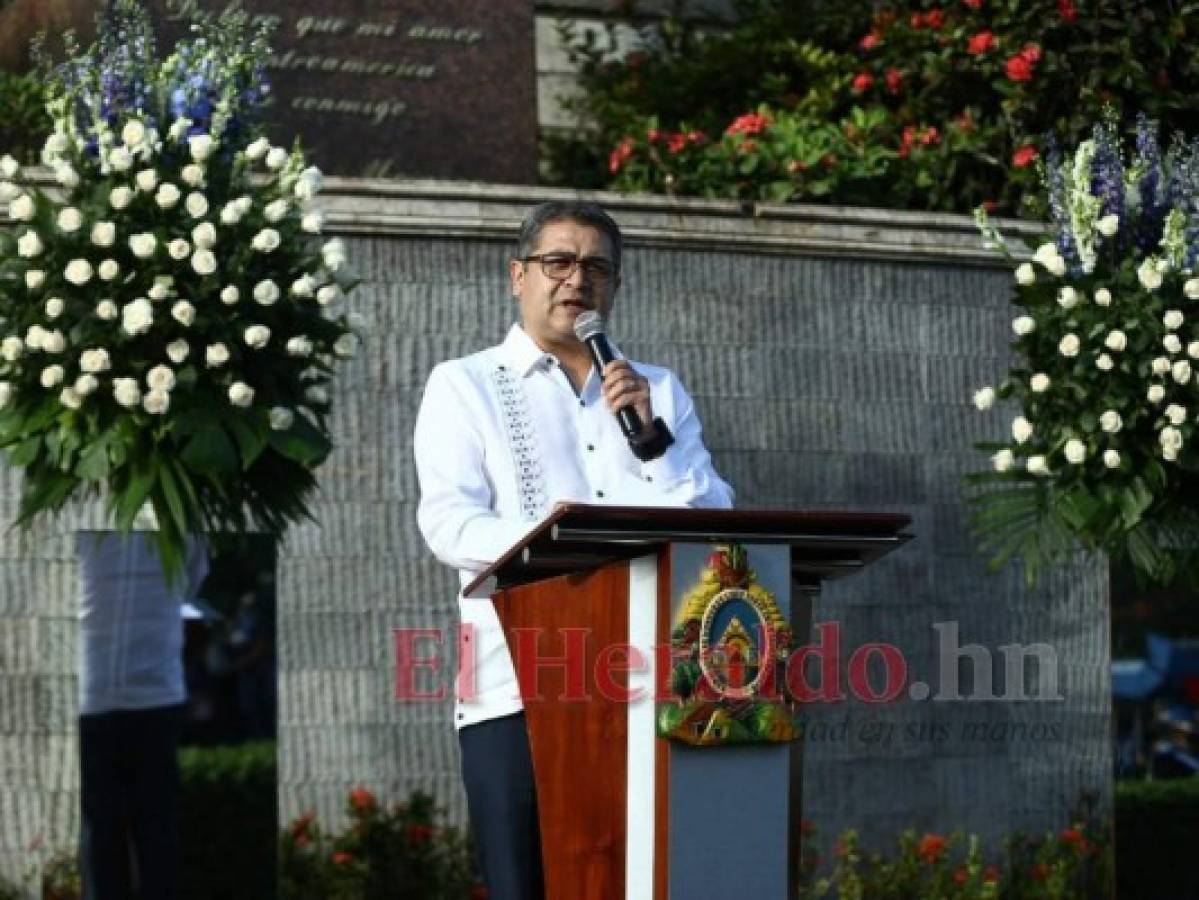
(168, 325)
(1103, 450)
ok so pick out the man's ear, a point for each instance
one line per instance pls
(516, 276)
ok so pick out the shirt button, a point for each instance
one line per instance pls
(649, 477)
(582, 403)
(600, 494)
(591, 448)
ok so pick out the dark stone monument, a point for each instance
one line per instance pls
(433, 88)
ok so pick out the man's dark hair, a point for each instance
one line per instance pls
(568, 210)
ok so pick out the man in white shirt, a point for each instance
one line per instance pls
(502, 436)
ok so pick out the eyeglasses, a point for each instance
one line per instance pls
(560, 266)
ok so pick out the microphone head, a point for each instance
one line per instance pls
(588, 324)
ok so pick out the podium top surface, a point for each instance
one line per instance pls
(824, 543)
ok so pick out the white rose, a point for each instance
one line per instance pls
(1069, 345)
(30, 245)
(167, 195)
(1160, 365)
(256, 336)
(107, 310)
(317, 395)
(8, 192)
(1104, 363)
(160, 378)
(109, 270)
(104, 234)
(346, 346)
(1190, 288)
(328, 294)
(146, 180)
(143, 245)
(201, 146)
(204, 262)
(34, 337)
(230, 295)
(266, 240)
(12, 348)
(120, 159)
(1021, 429)
(95, 361)
(1116, 340)
(1003, 460)
(1025, 274)
(1108, 225)
(1111, 422)
(275, 210)
(192, 175)
(34, 279)
(204, 235)
(312, 222)
(241, 394)
(1039, 383)
(1067, 297)
(301, 346)
(1193, 349)
(126, 392)
(244, 204)
(55, 143)
(22, 209)
(276, 158)
(54, 341)
(1046, 253)
(1149, 276)
(281, 418)
(52, 376)
(1172, 344)
(1103, 297)
(160, 289)
(197, 205)
(54, 307)
(133, 133)
(137, 316)
(258, 149)
(86, 384)
(984, 398)
(177, 351)
(266, 292)
(1111, 459)
(156, 402)
(1156, 393)
(179, 127)
(120, 197)
(1162, 266)
(1171, 439)
(70, 220)
(69, 398)
(183, 313)
(216, 355)
(179, 249)
(1037, 465)
(304, 286)
(334, 253)
(230, 214)
(9, 166)
(1176, 414)
(79, 272)
(1181, 371)
(1057, 267)
(1076, 451)
(1173, 319)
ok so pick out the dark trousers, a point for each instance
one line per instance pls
(501, 795)
(130, 794)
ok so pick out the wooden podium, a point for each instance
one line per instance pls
(587, 601)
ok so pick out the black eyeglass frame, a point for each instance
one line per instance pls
(595, 268)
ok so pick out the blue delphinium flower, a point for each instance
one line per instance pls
(1059, 211)
(1153, 211)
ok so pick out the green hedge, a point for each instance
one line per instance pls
(1157, 823)
(230, 829)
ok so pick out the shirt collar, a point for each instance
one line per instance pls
(521, 352)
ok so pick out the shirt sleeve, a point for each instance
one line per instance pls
(684, 475)
(456, 513)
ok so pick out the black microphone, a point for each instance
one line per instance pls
(589, 328)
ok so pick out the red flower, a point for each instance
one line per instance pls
(934, 19)
(960, 875)
(870, 41)
(980, 43)
(1065, 9)
(340, 858)
(905, 141)
(990, 875)
(696, 137)
(622, 153)
(1072, 836)
(973, 4)
(964, 122)
(917, 20)
(930, 137)
(677, 142)
(1018, 68)
(362, 800)
(299, 828)
(862, 82)
(653, 135)
(894, 80)
(990, 205)
(419, 833)
(750, 123)
(931, 848)
(1024, 156)
(1032, 53)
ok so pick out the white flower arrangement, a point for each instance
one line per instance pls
(1105, 449)
(127, 362)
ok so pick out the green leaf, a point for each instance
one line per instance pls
(251, 440)
(302, 443)
(93, 462)
(25, 452)
(130, 497)
(211, 451)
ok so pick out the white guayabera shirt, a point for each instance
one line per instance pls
(131, 622)
(500, 438)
